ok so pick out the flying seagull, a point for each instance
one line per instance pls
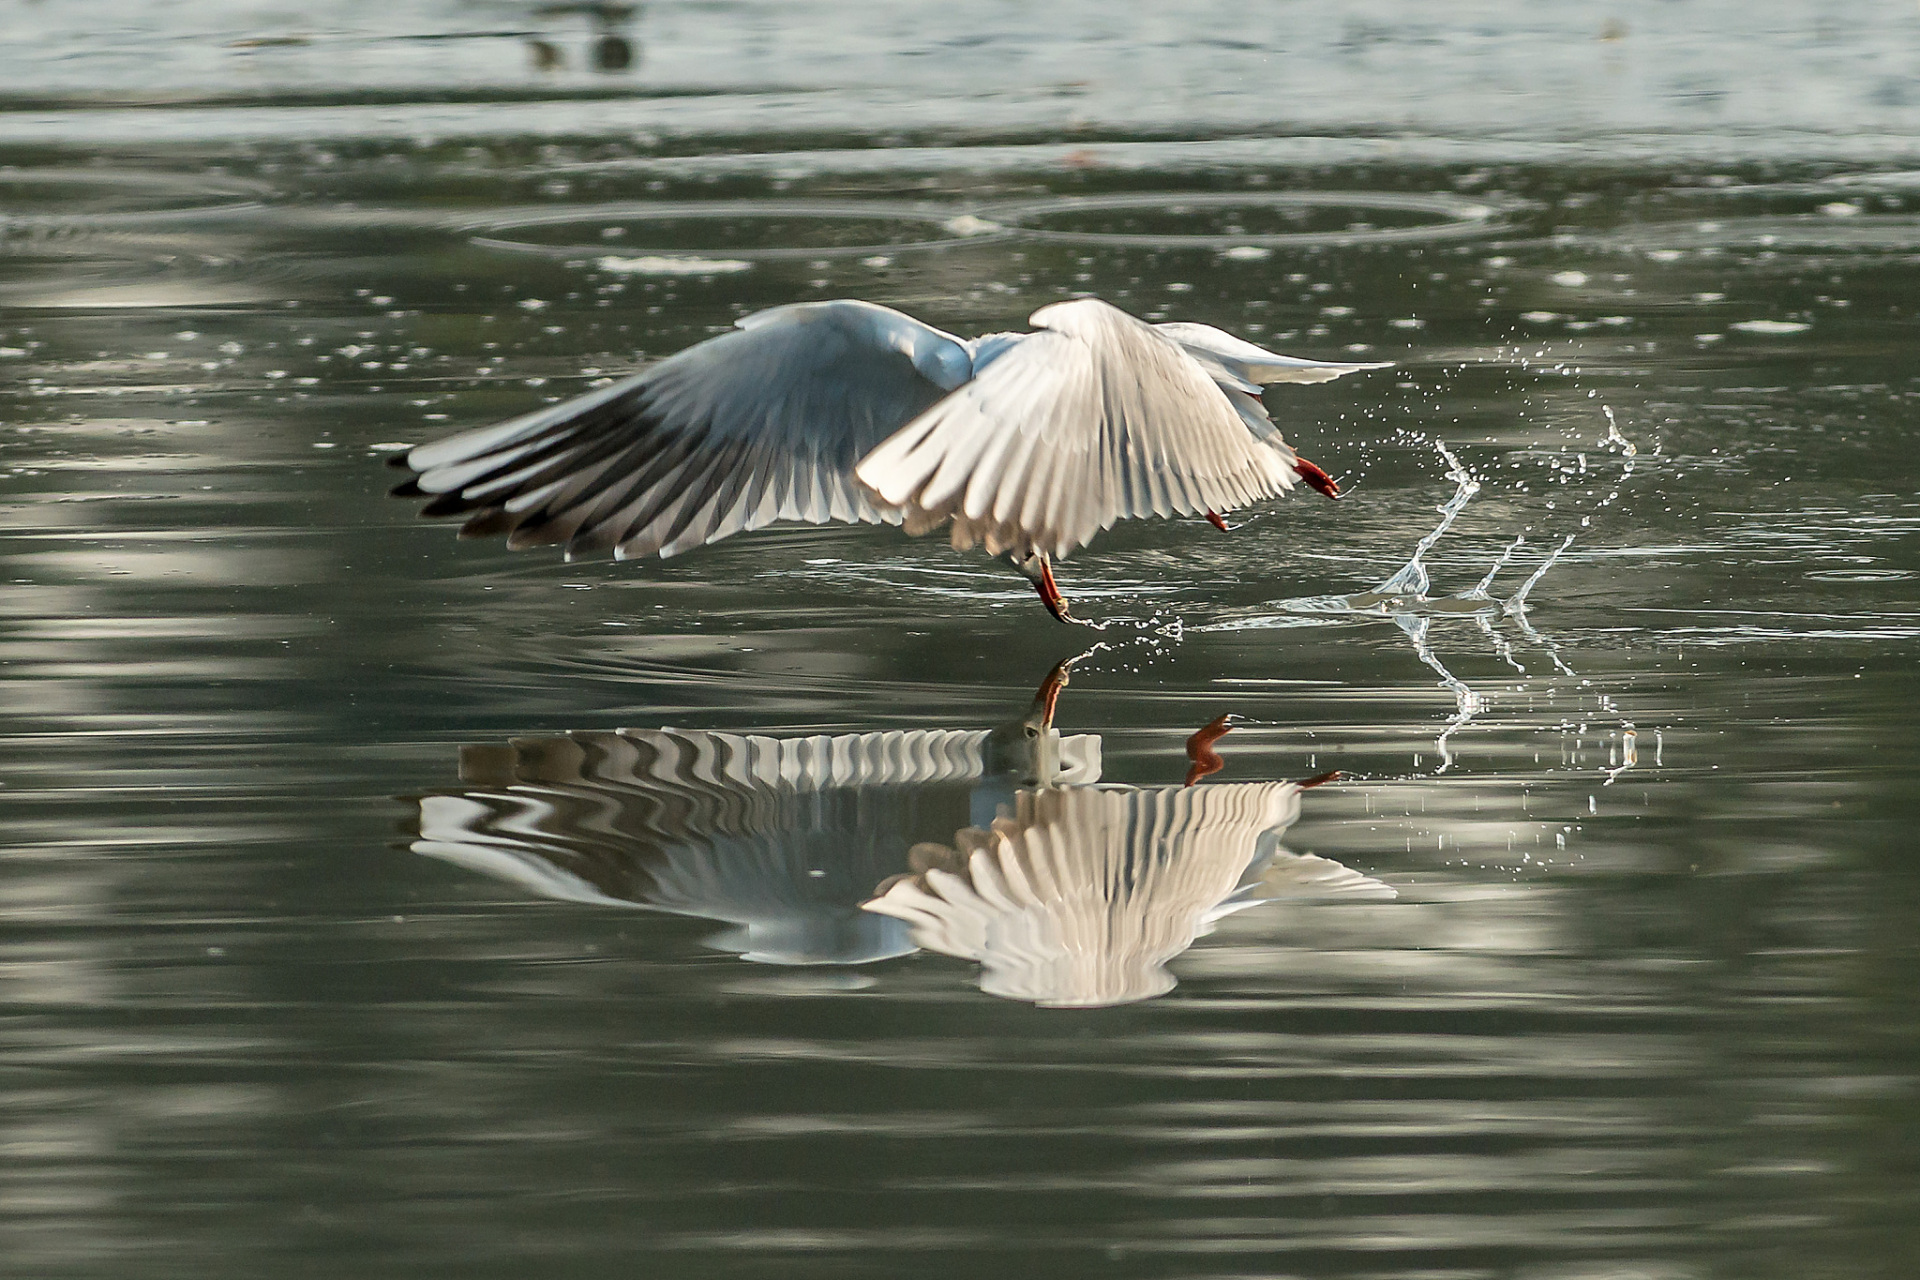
(1027, 444)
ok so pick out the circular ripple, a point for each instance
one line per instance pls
(1225, 220)
(107, 278)
(93, 197)
(1797, 233)
(757, 230)
(1860, 575)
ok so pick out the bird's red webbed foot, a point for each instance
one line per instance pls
(1315, 478)
(1218, 521)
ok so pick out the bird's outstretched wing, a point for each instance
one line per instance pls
(761, 424)
(1096, 418)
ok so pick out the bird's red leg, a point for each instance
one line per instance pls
(1319, 780)
(1316, 479)
(1218, 521)
(1037, 568)
(1050, 593)
(1204, 760)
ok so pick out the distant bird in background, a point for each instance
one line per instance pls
(1027, 444)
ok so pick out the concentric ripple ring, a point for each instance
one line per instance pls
(947, 226)
(1455, 218)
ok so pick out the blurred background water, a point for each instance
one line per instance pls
(1641, 1002)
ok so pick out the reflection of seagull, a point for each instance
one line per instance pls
(782, 837)
(1082, 895)
(1096, 886)
(1029, 444)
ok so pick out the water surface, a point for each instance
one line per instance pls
(1632, 995)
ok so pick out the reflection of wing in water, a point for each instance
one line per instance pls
(782, 837)
(1002, 845)
(1082, 895)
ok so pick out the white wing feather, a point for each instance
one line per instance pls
(1097, 418)
(1256, 364)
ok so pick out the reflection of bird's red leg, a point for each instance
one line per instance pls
(1315, 478)
(1204, 760)
(1319, 780)
(1218, 521)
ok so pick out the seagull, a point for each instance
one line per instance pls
(1025, 444)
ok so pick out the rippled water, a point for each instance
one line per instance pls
(1595, 960)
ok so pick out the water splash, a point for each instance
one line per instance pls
(1515, 608)
(1629, 754)
(1404, 592)
(1467, 703)
(1412, 577)
(1629, 457)
(1404, 599)
(1481, 589)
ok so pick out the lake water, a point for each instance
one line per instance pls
(378, 904)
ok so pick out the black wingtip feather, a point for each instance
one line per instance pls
(451, 504)
(538, 533)
(489, 524)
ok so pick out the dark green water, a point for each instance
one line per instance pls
(1642, 1005)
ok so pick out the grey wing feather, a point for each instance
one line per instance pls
(761, 424)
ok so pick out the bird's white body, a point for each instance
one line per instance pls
(1028, 444)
